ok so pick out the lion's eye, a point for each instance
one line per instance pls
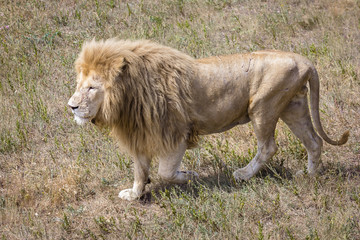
(91, 88)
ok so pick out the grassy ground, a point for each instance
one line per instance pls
(60, 181)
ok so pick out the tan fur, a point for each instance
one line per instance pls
(157, 100)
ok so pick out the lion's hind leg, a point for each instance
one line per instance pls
(169, 165)
(296, 115)
(266, 149)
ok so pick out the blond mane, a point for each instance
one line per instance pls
(148, 93)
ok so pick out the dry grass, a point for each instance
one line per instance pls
(60, 181)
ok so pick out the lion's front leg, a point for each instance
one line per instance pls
(141, 175)
(169, 165)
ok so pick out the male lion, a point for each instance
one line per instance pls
(157, 100)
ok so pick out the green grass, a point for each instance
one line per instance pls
(60, 181)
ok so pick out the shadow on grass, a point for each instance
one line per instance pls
(224, 180)
(221, 180)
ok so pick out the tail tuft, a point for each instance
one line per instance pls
(344, 138)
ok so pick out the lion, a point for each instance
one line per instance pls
(157, 101)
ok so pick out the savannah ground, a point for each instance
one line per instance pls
(61, 181)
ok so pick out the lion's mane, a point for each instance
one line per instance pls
(148, 98)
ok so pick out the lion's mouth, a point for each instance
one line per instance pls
(82, 120)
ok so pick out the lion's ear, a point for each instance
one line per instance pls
(124, 66)
(116, 67)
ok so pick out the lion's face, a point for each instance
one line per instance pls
(87, 99)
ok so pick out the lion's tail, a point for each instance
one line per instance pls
(314, 103)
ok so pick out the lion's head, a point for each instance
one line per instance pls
(88, 97)
(140, 90)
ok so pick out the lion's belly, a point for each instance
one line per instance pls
(244, 119)
(221, 115)
(215, 125)
(221, 98)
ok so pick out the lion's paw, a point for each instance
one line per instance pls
(129, 194)
(242, 174)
